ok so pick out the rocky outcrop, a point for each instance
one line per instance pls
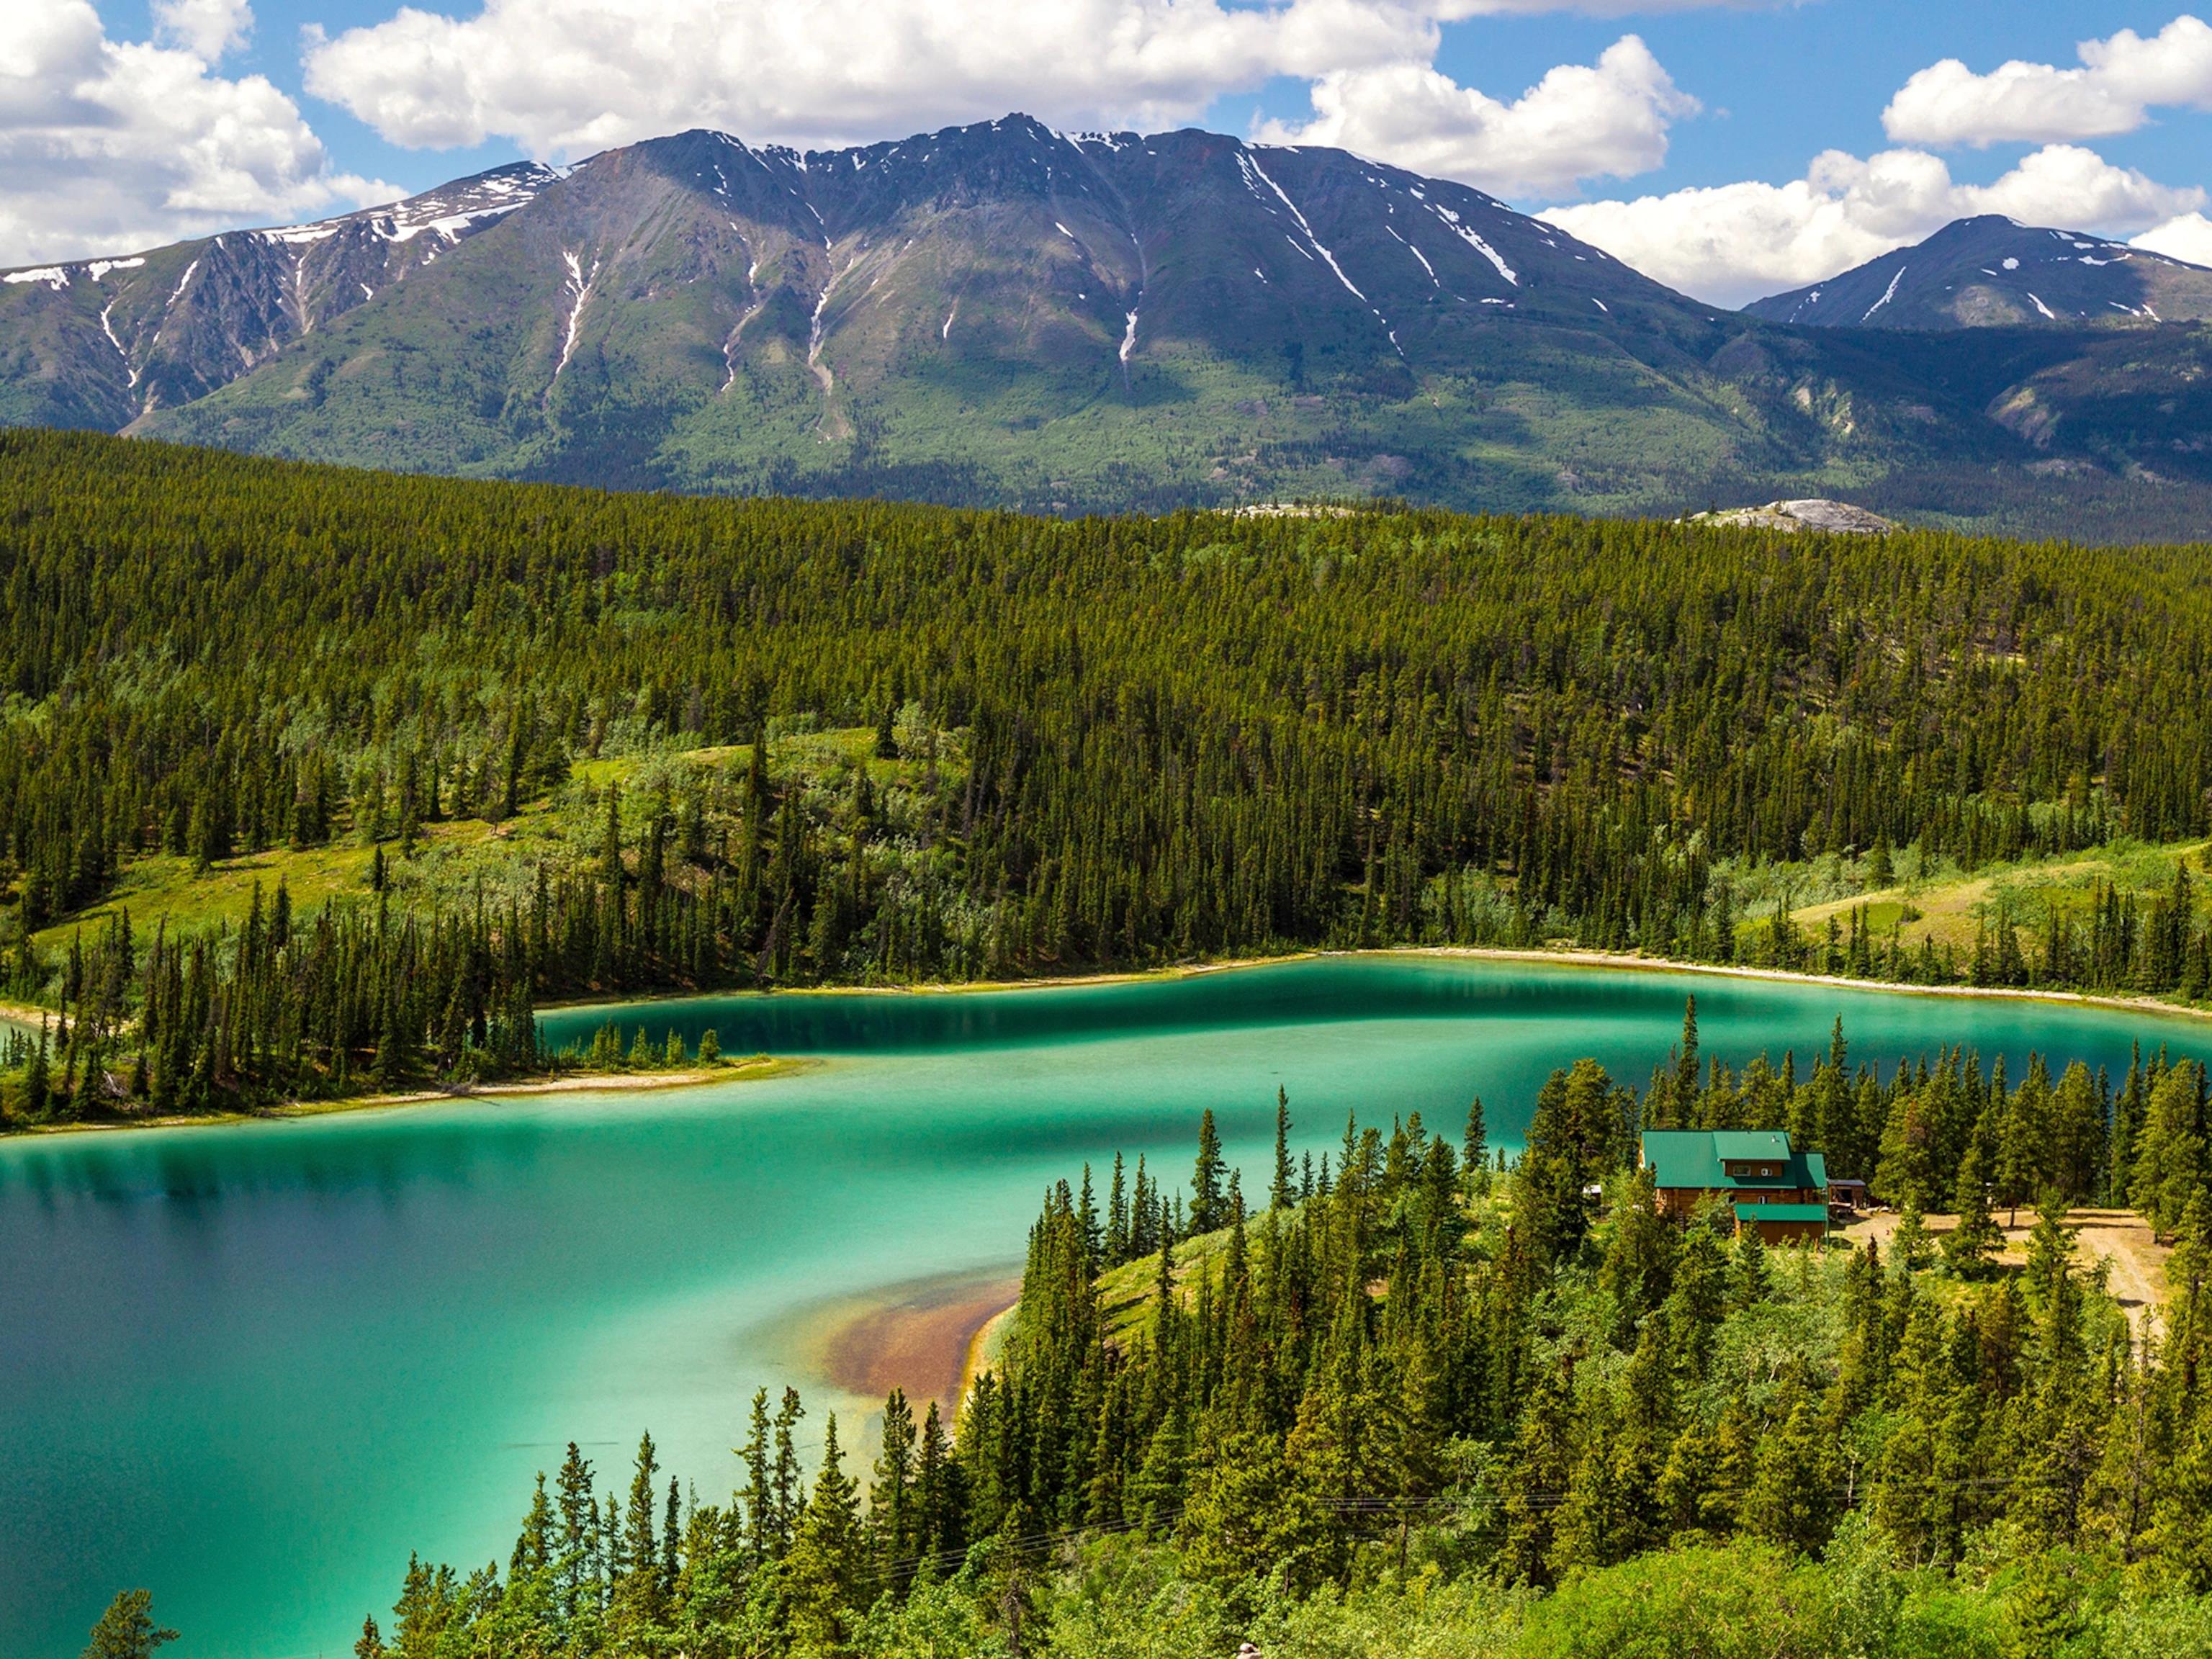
(1832, 518)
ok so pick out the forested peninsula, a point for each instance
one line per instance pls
(1417, 1401)
(314, 781)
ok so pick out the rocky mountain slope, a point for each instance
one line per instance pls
(1004, 313)
(106, 342)
(1995, 273)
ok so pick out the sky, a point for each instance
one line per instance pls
(1729, 149)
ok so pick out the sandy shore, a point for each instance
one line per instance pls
(983, 1347)
(1662, 964)
(755, 1070)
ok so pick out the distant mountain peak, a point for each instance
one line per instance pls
(1993, 271)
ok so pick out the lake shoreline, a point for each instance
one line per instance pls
(765, 1066)
(25, 1014)
(1570, 957)
(757, 1070)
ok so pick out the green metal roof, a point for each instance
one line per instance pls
(1697, 1158)
(1751, 1146)
(1781, 1212)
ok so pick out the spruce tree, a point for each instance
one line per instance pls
(891, 1520)
(2169, 1165)
(785, 1487)
(758, 1494)
(1206, 1178)
(1281, 1191)
(575, 1574)
(38, 1081)
(824, 1572)
(634, 1600)
(611, 841)
(127, 1630)
(1969, 1246)
(1791, 1502)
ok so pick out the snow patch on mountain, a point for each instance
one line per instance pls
(1468, 235)
(1301, 218)
(1888, 294)
(579, 288)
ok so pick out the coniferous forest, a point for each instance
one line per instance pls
(1417, 1401)
(582, 744)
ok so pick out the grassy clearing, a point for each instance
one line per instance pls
(1126, 1293)
(453, 860)
(1943, 904)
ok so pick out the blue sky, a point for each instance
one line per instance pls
(1783, 83)
(1729, 149)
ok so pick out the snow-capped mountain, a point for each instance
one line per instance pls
(1004, 313)
(1120, 242)
(1993, 272)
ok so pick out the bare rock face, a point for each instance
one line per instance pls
(1834, 518)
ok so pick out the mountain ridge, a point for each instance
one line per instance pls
(1002, 314)
(269, 286)
(1993, 271)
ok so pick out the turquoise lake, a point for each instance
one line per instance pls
(251, 1367)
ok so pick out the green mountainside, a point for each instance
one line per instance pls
(1004, 315)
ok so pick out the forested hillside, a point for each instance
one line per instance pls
(516, 742)
(1415, 1403)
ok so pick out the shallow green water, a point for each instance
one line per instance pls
(252, 1367)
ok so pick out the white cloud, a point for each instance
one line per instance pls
(1736, 242)
(2185, 236)
(1607, 121)
(107, 145)
(2122, 79)
(1459, 9)
(563, 77)
(206, 28)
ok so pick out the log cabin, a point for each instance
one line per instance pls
(1767, 1182)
